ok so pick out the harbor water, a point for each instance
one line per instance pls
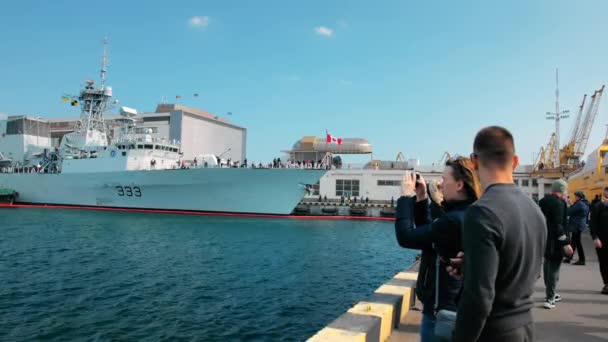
(88, 275)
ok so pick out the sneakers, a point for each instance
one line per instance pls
(566, 261)
(605, 289)
(550, 303)
(580, 262)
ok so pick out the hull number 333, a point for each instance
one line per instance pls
(129, 191)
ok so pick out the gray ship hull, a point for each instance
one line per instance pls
(236, 190)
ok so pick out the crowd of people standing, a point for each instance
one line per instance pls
(484, 242)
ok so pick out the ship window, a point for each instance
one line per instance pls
(124, 154)
(347, 187)
(139, 146)
(315, 189)
(144, 130)
(389, 182)
(157, 118)
(14, 127)
(534, 182)
(525, 182)
(29, 127)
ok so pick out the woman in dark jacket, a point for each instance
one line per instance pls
(577, 222)
(415, 229)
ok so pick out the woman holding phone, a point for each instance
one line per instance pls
(439, 238)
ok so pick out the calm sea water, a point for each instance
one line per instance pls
(86, 275)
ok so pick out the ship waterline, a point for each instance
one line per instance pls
(234, 190)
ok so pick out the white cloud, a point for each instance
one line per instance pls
(199, 21)
(324, 31)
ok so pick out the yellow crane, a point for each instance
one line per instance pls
(568, 150)
(545, 155)
(572, 152)
(587, 125)
(444, 158)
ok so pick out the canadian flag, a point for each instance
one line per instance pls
(331, 139)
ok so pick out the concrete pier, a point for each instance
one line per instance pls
(582, 315)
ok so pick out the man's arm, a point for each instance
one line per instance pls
(481, 238)
(559, 213)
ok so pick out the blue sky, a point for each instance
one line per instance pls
(410, 76)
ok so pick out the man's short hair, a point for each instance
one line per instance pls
(494, 146)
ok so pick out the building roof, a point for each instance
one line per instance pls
(169, 107)
(317, 144)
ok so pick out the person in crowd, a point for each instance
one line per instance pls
(503, 238)
(438, 238)
(555, 210)
(436, 196)
(599, 233)
(578, 213)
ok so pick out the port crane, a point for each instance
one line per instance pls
(571, 153)
(444, 158)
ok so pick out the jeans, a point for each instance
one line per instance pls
(427, 328)
(551, 276)
(521, 334)
(602, 257)
(577, 245)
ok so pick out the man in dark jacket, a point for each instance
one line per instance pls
(554, 208)
(503, 238)
(577, 223)
(599, 234)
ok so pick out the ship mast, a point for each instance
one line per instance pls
(94, 101)
(104, 61)
(557, 115)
